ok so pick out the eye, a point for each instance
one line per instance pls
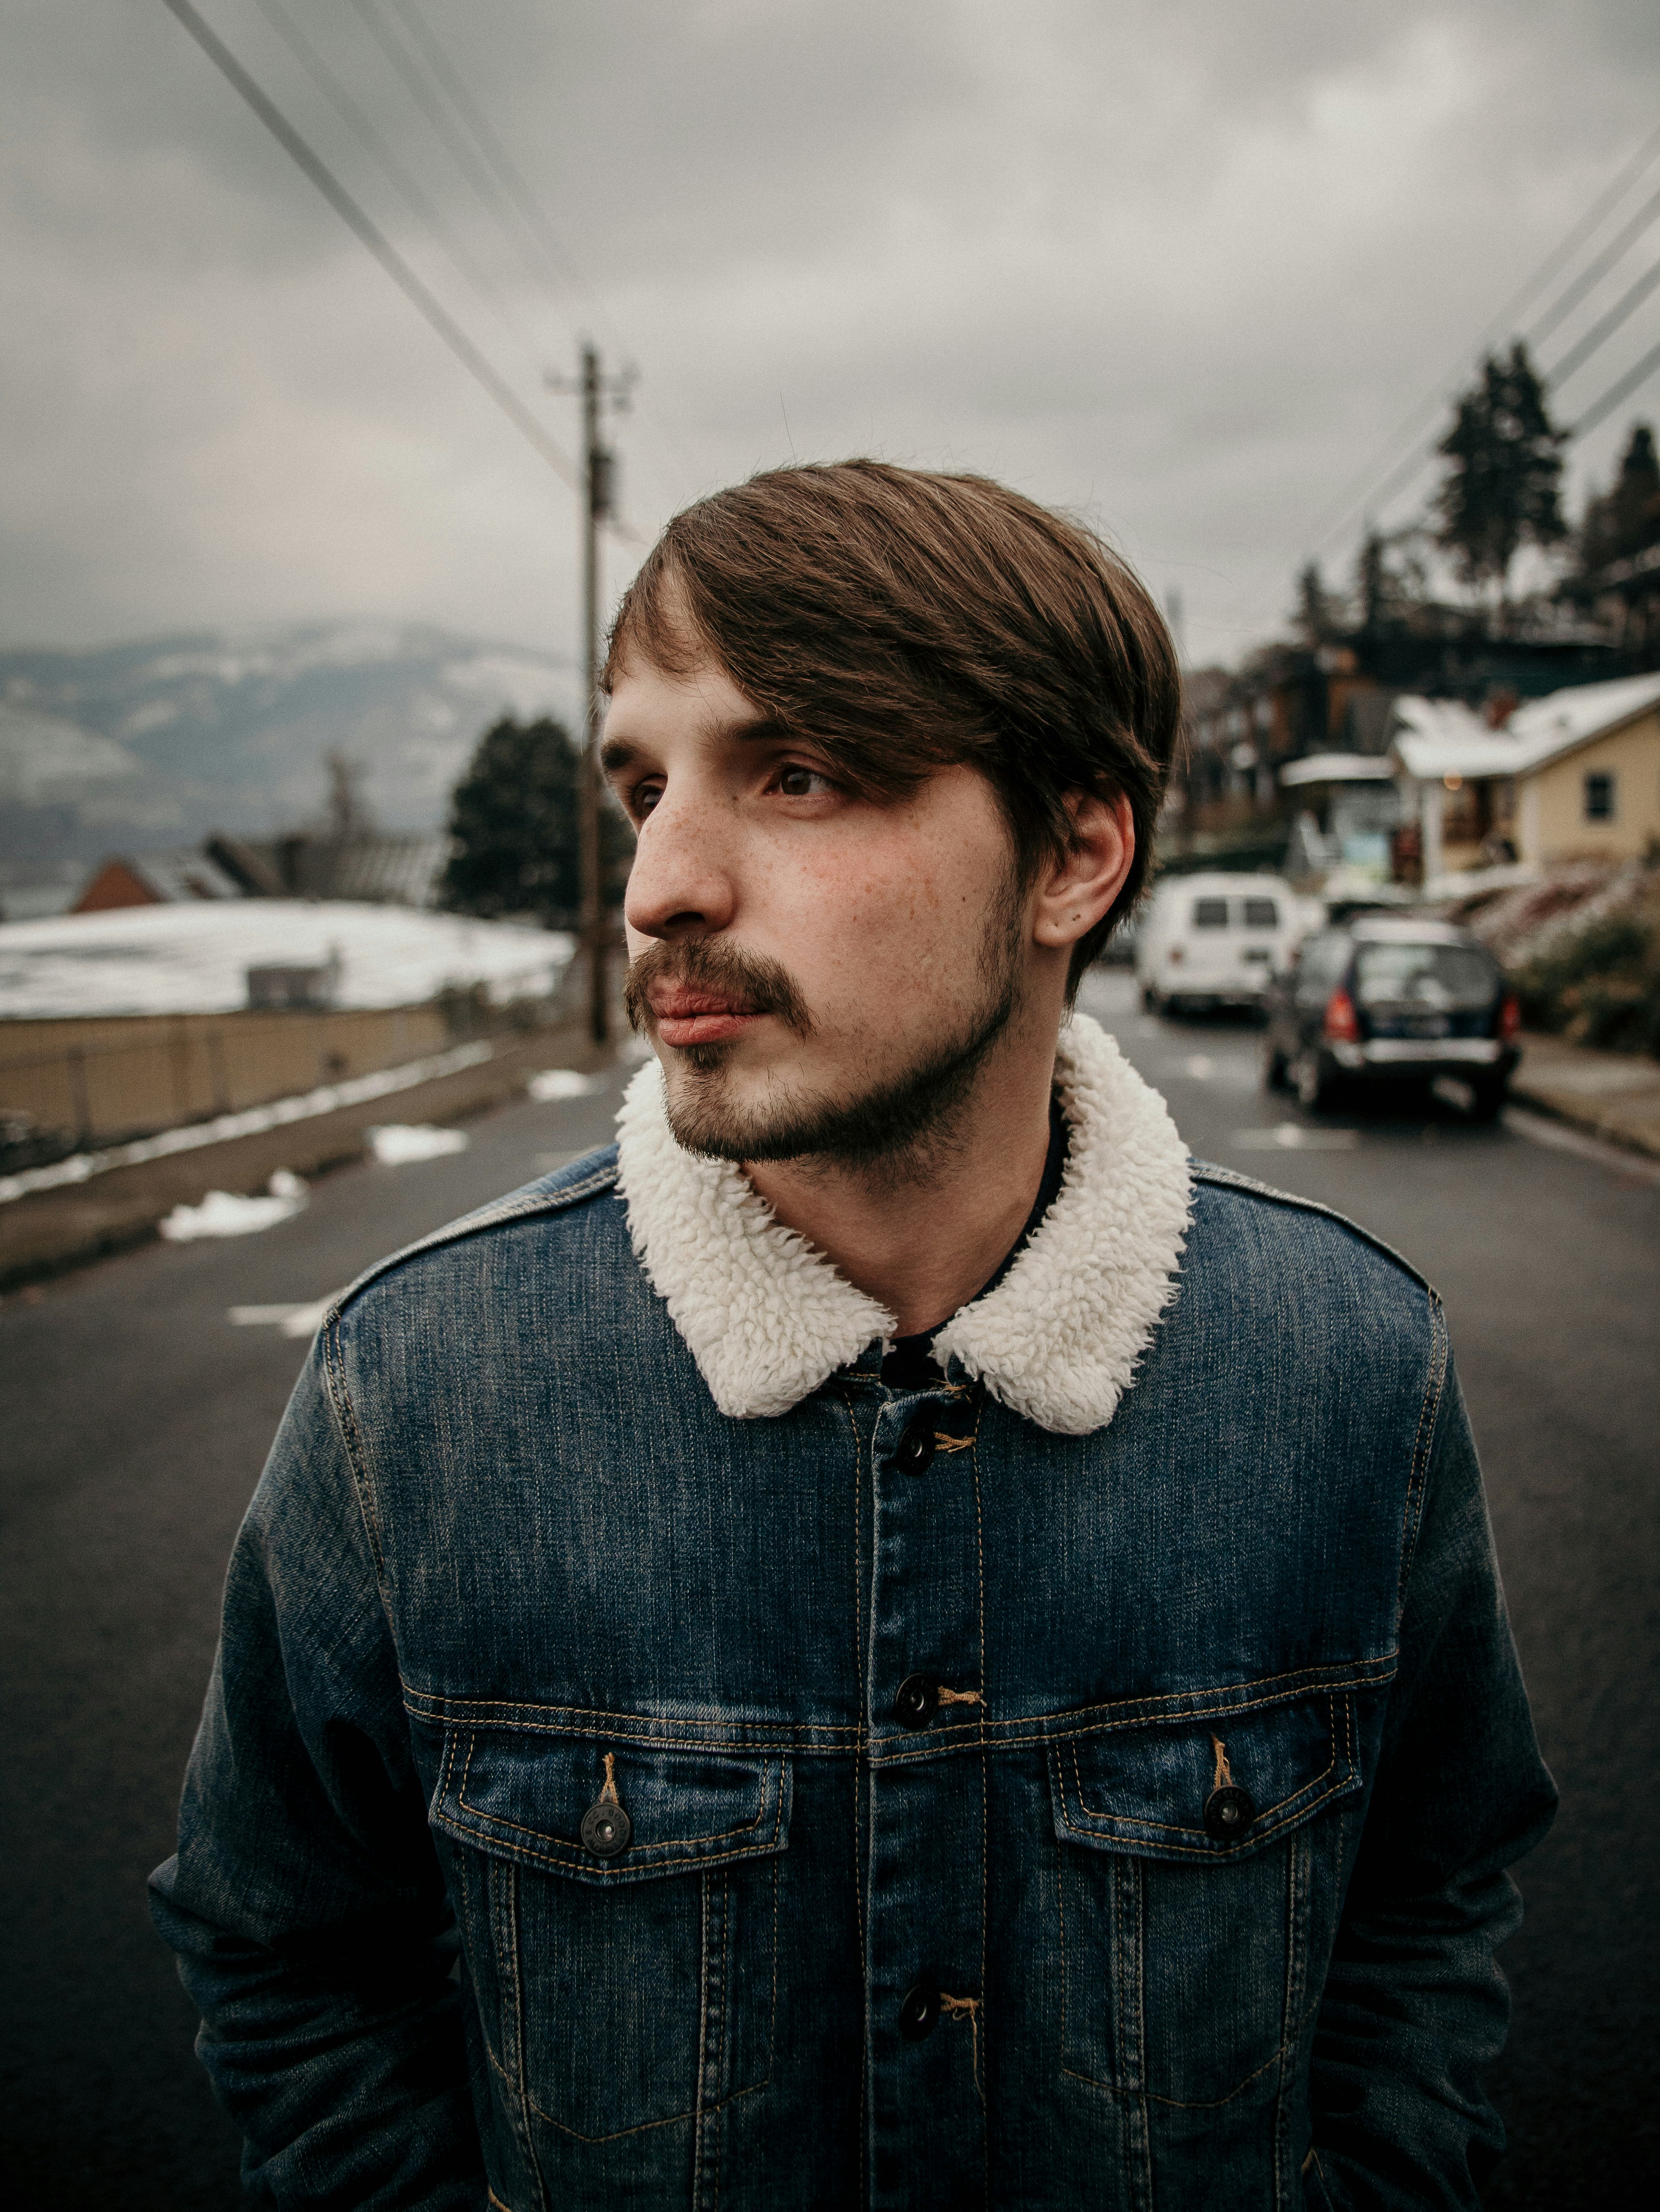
(643, 799)
(795, 781)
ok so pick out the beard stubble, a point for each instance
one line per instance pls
(893, 1126)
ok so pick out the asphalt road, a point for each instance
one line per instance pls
(134, 1417)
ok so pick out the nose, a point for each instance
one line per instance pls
(681, 884)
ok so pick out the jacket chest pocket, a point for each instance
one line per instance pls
(619, 1905)
(1198, 1871)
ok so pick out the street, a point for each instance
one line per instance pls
(136, 1416)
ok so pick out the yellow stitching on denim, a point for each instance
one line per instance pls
(768, 1732)
(966, 2008)
(495, 2200)
(1267, 1823)
(1040, 1728)
(656, 1844)
(1432, 1388)
(646, 2126)
(944, 1443)
(573, 1858)
(702, 2033)
(1224, 1777)
(958, 1697)
(1060, 1906)
(346, 1419)
(985, 1791)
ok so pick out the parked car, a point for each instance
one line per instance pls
(1384, 999)
(1214, 940)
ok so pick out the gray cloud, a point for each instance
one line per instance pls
(1180, 266)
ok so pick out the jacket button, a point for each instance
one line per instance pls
(919, 2012)
(1228, 1812)
(914, 1450)
(916, 1701)
(606, 1829)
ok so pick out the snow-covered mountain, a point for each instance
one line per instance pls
(155, 742)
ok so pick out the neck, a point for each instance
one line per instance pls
(922, 1233)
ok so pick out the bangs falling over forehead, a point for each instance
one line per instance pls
(903, 622)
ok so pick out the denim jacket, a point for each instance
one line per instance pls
(651, 1761)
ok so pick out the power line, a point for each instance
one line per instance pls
(550, 248)
(339, 96)
(1643, 220)
(378, 244)
(1600, 332)
(1599, 409)
(495, 153)
(1349, 504)
(464, 158)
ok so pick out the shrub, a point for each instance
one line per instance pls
(1600, 984)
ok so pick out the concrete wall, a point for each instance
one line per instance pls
(108, 1079)
(1551, 815)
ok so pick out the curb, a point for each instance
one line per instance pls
(1631, 1122)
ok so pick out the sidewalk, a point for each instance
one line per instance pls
(1612, 1095)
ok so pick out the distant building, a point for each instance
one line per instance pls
(375, 871)
(1574, 775)
(157, 880)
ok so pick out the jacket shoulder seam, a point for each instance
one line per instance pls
(499, 1214)
(1228, 1179)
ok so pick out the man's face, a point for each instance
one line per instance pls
(819, 973)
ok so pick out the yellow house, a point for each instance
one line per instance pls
(1588, 772)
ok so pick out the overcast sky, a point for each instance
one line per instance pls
(1182, 266)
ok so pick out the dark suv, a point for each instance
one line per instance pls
(1392, 1000)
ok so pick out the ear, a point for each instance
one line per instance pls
(1076, 889)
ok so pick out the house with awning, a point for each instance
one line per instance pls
(1574, 775)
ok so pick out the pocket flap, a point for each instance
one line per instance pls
(525, 1796)
(1255, 1774)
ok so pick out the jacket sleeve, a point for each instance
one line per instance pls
(305, 1901)
(1415, 2008)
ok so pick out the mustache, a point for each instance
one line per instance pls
(763, 985)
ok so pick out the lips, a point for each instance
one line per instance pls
(686, 1017)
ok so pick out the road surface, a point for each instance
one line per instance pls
(134, 1417)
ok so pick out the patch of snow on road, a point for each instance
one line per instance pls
(399, 1143)
(226, 1213)
(556, 1083)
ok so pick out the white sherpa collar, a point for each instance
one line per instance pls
(768, 1318)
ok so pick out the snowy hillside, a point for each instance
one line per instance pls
(185, 734)
(193, 959)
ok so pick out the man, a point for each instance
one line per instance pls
(888, 1640)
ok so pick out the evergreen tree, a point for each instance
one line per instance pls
(1501, 490)
(514, 823)
(1375, 589)
(1625, 520)
(1316, 613)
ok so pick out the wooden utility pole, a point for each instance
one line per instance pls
(596, 474)
(598, 505)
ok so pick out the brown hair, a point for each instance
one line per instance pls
(903, 621)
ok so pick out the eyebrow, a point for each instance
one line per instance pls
(616, 754)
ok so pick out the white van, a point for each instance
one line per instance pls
(1215, 940)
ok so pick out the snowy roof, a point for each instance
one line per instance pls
(1336, 767)
(1556, 724)
(184, 872)
(1435, 738)
(194, 958)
